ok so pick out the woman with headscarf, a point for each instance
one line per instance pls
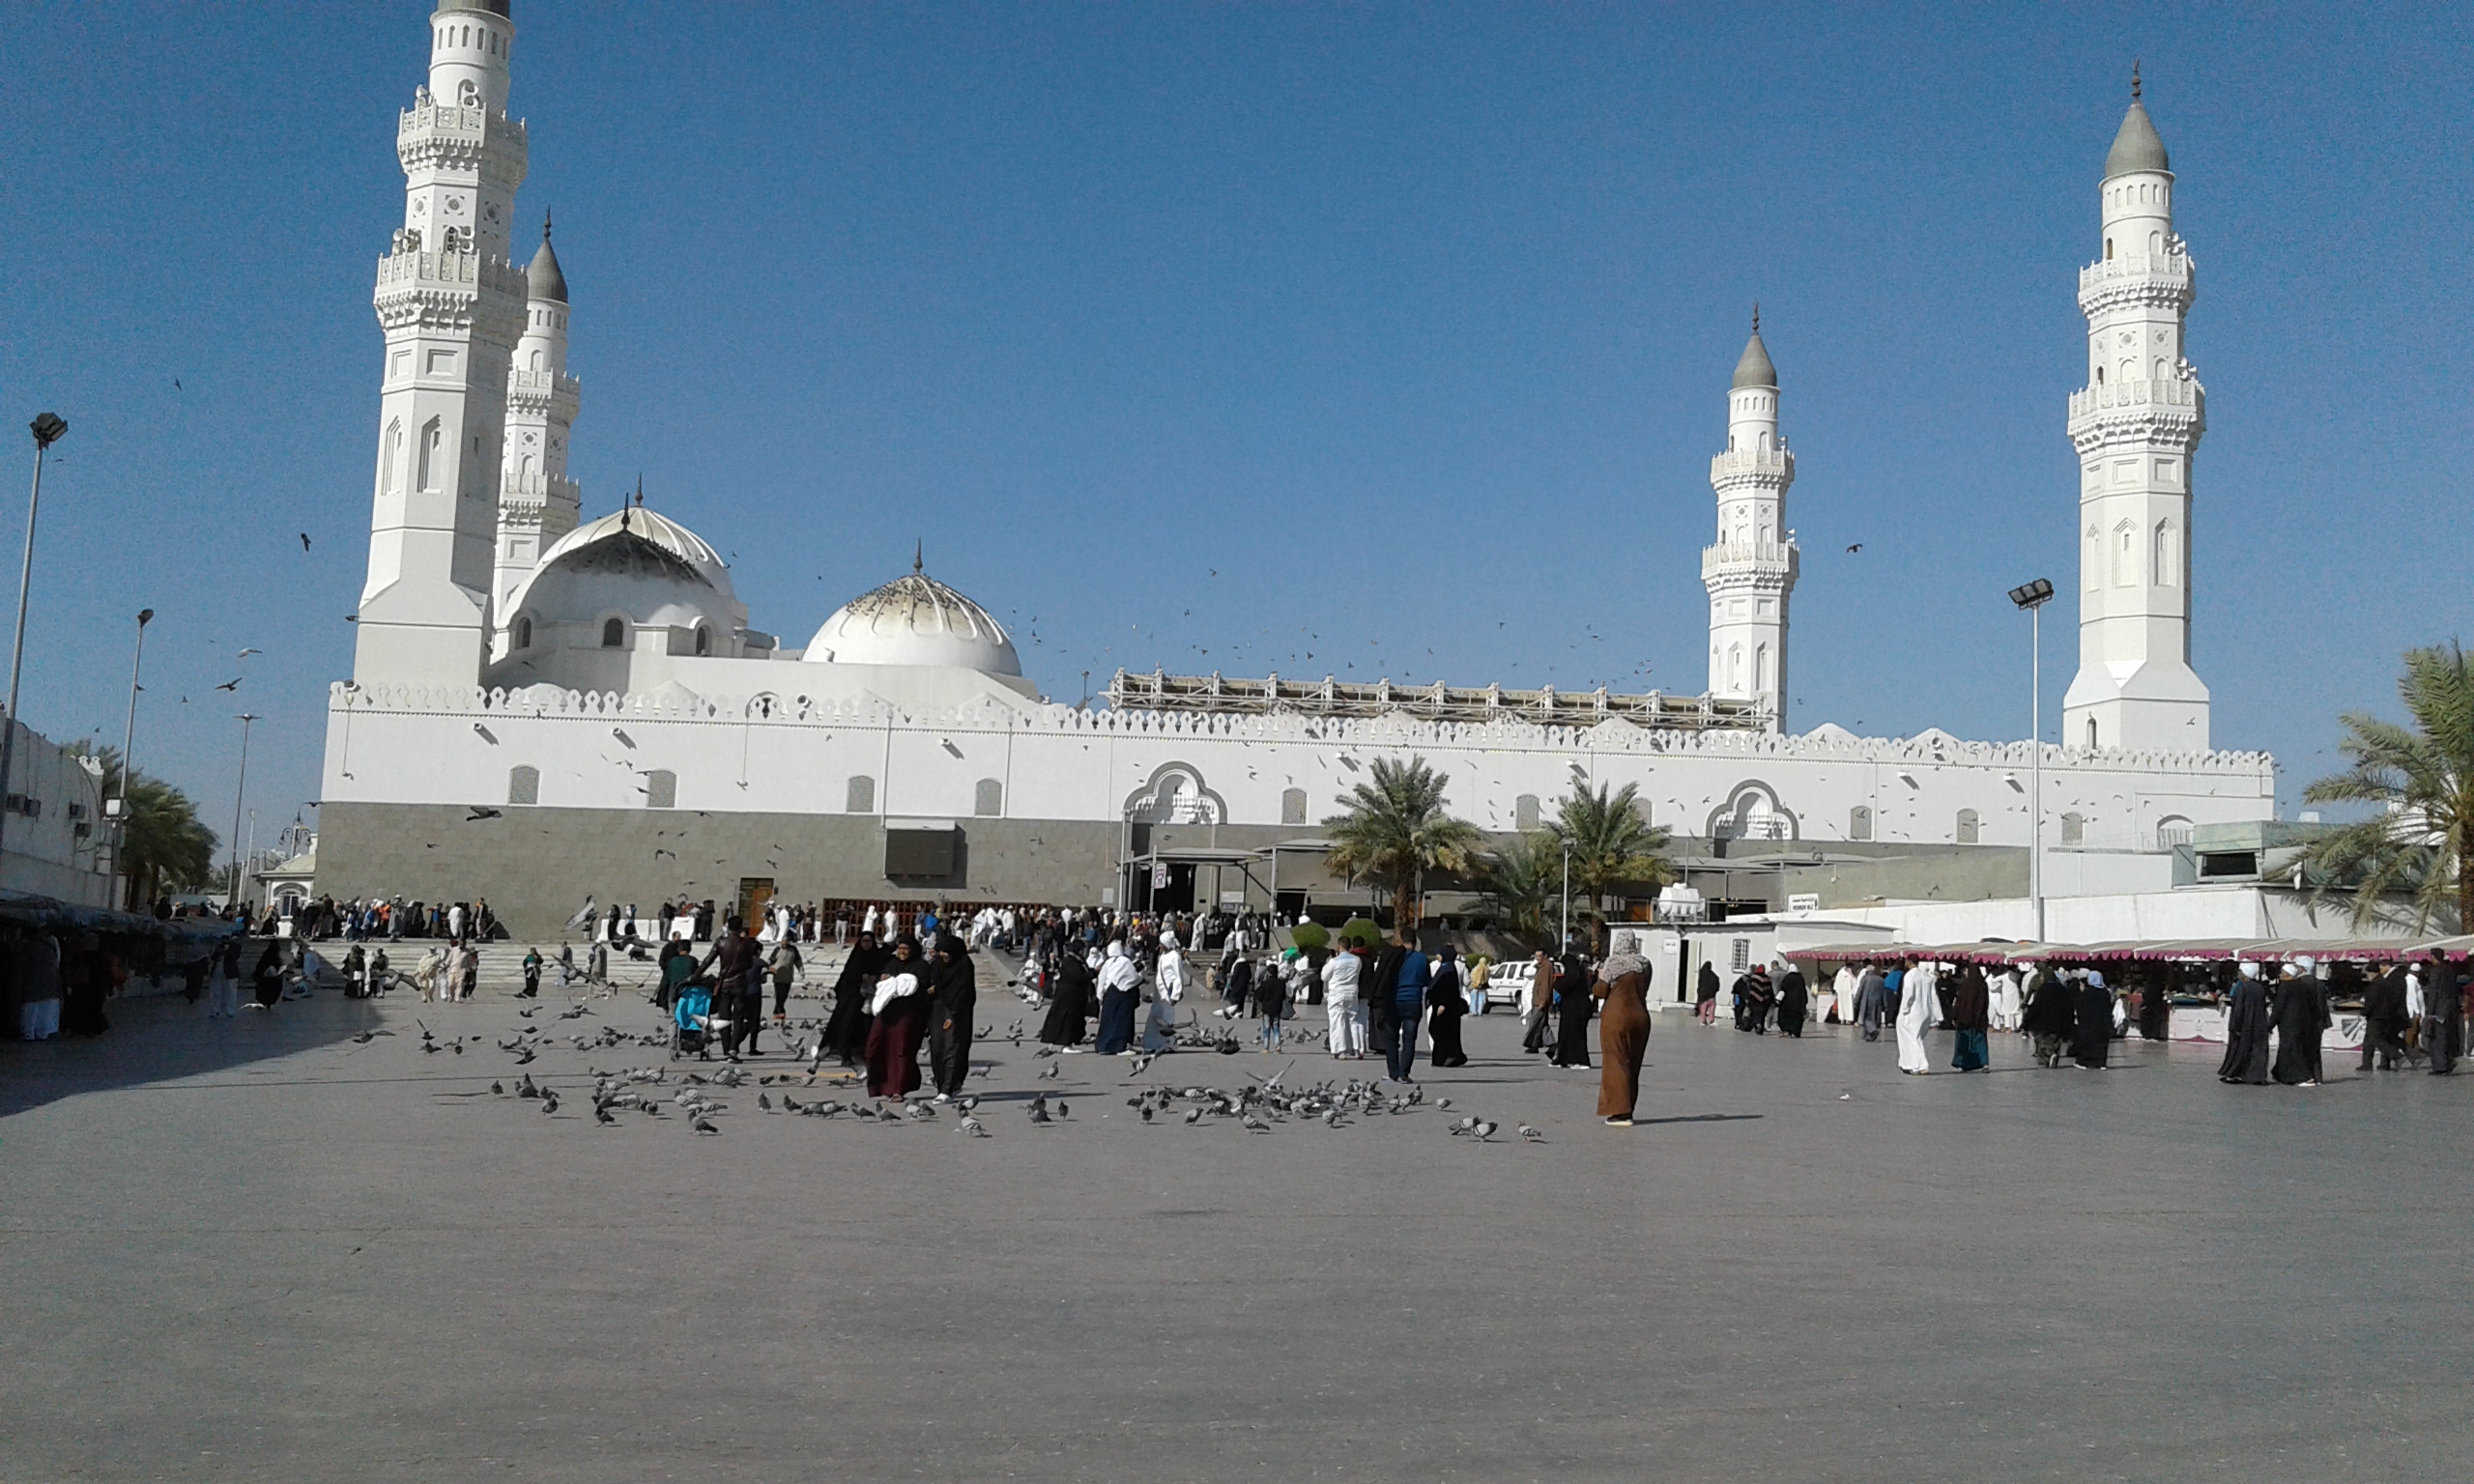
(845, 1029)
(1793, 999)
(2299, 1009)
(897, 1011)
(1443, 1025)
(1918, 1009)
(1971, 1015)
(2245, 1031)
(1069, 1006)
(1573, 1005)
(1541, 1001)
(1120, 991)
(2091, 1038)
(1623, 1036)
(954, 985)
(268, 977)
(1705, 993)
(1168, 992)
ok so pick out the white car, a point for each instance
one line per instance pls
(1507, 984)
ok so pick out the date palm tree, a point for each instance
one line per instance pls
(1612, 846)
(1522, 882)
(166, 846)
(1393, 830)
(2420, 844)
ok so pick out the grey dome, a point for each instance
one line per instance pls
(1755, 369)
(544, 280)
(2138, 147)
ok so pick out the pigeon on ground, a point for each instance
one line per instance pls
(549, 1104)
(498, 1089)
(973, 1127)
(1486, 1129)
(601, 1115)
(1532, 1134)
(703, 1125)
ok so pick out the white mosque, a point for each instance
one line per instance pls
(544, 707)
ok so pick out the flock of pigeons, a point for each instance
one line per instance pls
(665, 1091)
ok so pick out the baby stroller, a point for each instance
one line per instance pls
(692, 1022)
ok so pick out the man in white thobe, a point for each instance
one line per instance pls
(1918, 1010)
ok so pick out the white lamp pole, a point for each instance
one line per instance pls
(47, 429)
(2033, 597)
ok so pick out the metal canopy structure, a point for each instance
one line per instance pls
(1218, 695)
(2153, 951)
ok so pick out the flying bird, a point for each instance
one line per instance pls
(1857, 547)
(246, 654)
(481, 812)
(305, 540)
(232, 684)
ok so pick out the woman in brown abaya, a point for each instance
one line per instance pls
(1622, 1034)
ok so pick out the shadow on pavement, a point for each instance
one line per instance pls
(163, 1037)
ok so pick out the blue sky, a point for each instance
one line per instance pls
(1411, 323)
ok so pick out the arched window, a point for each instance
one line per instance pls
(2074, 827)
(2159, 369)
(1524, 811)
(523, 632)
(860, 797)
(1761, 670)
(705, 644)
(1735, 667)
(1859, 822)
(987, 798)
(2100, 376)
(2125, 554)
(613, 633)
(390, 447)
(2156, 244)
(538, 361)
(1966, 831)
(2091, 564)
(1292, 806)
(2108, 250)
(2091, 735)
(661, 788)
(430, 444)
(2169, 564)
(524, 785)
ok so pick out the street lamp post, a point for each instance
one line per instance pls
(127, 744)
(232, 872)
(2033, 597)
(47, 429)
(1565, 946)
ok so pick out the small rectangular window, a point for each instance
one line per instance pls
(661, 790)
(860, 797)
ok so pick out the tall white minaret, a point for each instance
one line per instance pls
(451, 305)
(2135, 426)
(537, 502)
(1751, 569)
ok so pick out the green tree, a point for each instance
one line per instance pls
(2420, 843)
(1393, 830)
(166, 846)
(1612, 846)
(1524, 882)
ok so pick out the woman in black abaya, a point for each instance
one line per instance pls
(2091, 1038)
(1446, 1006)
(846, 1030)
(1573, 1005)
(1070, 986)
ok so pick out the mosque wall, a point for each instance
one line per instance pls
(589, 787)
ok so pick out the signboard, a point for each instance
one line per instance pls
(1804, 902)
(919, 853)
(1232, 898)
(1160, 875)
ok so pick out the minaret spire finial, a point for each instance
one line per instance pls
(919, 557)
(2134, 79)
(545, 223)
(1756, 316)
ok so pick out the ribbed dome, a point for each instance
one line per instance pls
(1755, 369)
(2138, 147)
(651, 529)
(544, 280)
(915, 620)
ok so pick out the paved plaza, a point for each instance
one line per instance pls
(261, 1250)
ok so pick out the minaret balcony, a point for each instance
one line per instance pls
(1752, 559)
(2173, 394)
(400, 271)
(1754, 466)
(430, 130)
(2172, 267)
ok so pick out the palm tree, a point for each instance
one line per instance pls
(2420, 842)
(1393, 830)
(1612, 846)
(1522, 882)
(166, 845)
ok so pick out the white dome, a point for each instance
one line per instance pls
(653, 527)
(915, 620)
(654, 571)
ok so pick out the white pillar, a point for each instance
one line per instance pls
(2136, 425)
(451, 306)
(1750, 570)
